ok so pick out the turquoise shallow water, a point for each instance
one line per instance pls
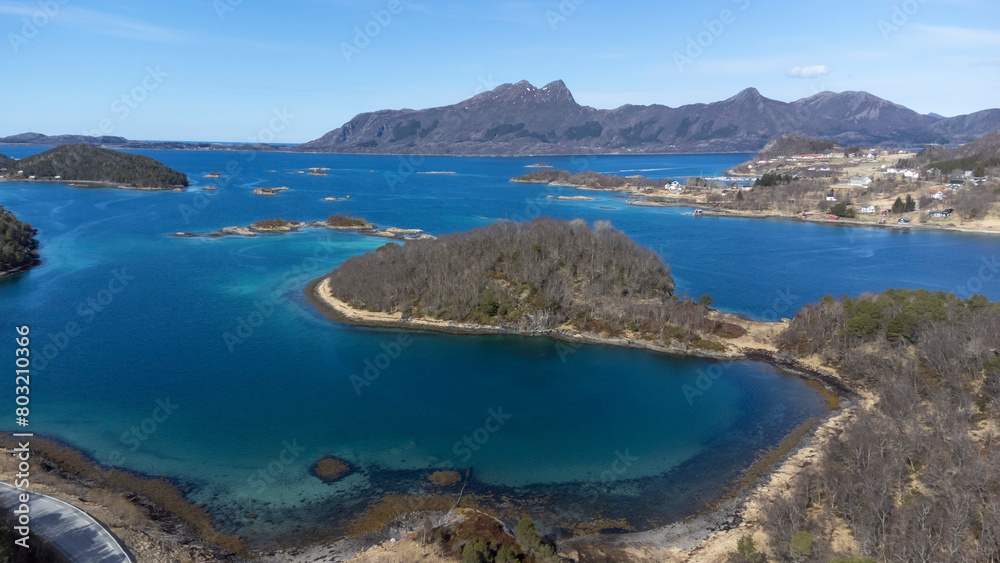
(602, 428)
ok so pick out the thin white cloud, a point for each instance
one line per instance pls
(809, 71)
(94, 21)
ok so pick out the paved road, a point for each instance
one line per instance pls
(69, 529)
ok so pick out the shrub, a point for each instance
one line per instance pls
(477, 551)
(801, 547)
(746, 552)
(507, 555)
(527, 536)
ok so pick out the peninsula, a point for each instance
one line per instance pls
(812, 180)
(87, 163)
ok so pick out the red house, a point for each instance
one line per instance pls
(832, 218)
(885, 212)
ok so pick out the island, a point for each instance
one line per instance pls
(559, 278)
(18, 245)
(334, 223)
(589, 180)
(94, 165)
(571, 198)
(270, 191)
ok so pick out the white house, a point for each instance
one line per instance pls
(831, 198)
(674, 186)
(861, 181)
(868, 209)
(912, 174)
(938, 195)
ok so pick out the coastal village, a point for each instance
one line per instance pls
(859, 187)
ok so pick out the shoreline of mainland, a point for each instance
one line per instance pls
(712, 532)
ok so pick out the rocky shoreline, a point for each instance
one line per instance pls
(280, 226)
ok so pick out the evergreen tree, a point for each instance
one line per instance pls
(898, 206)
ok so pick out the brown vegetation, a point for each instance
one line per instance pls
(159, 492)
(345, 221)
(330, 469)
(445, 478)
(588, 179)
(529, 277)
(914, 475)
(272, 224)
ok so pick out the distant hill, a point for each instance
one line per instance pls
(790, 145)
(83, 162)
(978, 155)
(520, 119)
(107, 141)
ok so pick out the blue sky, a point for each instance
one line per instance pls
(240, 70)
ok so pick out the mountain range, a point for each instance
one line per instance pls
(520, 119)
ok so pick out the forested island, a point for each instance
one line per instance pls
(548, 276)
(18, 246)
(87, 163)
(588, 180)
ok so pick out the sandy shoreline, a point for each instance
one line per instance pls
(319, 293)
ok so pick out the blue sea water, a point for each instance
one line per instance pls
(199, 359)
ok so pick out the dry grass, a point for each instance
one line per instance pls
(383, 511)
(160, 492)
